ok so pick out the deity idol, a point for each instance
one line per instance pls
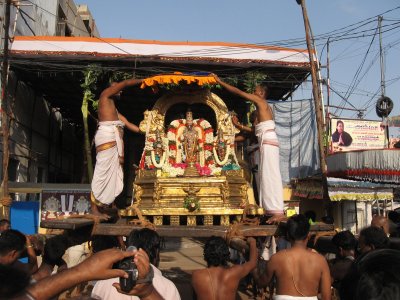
(189, 140)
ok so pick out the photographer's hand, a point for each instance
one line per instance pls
(144, 291)
(97, 266)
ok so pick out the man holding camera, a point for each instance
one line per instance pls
(149, 241)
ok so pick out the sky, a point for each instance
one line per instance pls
(278, 22)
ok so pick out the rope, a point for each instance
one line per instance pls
(6, 201)
(142, 221)
(235, 230)
(96, 219)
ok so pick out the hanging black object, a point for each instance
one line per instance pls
(384, 106)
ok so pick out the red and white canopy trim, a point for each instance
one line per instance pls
(204, 51)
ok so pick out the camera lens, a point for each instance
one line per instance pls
(131, 248)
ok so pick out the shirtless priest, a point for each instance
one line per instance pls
(300, 273)
(108, 177)
(219, 281)
(271, 189)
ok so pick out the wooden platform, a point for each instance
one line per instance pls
(173, 231)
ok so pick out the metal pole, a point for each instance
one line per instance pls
(6, 200)
(328, 94)
(318, 104)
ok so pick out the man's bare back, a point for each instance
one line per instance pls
(299, 272)
(221, 282)
(216, 283)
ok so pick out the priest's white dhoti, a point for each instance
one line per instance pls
(271, 189)
(108, 177)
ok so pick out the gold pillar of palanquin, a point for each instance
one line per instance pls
(218, 197)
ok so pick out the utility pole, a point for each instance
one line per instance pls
(383, 87)
(5, 200)
(317, 102)
(328, 88)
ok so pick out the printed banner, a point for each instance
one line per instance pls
(356, 135)
(63, 203)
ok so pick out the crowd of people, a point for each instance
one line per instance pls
(364, 267)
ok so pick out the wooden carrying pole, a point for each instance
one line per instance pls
(5, 200)
(317, 102)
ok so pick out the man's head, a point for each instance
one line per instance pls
(103, 242)
(13, 281)
(149, 241)
(4, 225)
(380, 222)
(261, 91)
(12, 243)
(54, 250)
(216, 252)
(310, 215)
(378, 276)
(297, 228)
(340, 126)
(346, 243)
(372, 238)
(394, 216)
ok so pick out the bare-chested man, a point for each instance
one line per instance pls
(300, 273)
(271, 189)
(218, 281)
(108, 175)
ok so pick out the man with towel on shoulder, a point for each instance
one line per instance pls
(108, 177)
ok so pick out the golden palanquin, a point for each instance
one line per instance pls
(215, 192)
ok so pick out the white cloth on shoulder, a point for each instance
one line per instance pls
(108, 177)
(104, 290)
(287, 297)
(271, 189)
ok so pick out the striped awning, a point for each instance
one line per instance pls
(381, 166)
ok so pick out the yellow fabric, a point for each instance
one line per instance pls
(176, 78)
(361, 196)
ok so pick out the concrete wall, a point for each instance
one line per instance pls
(43, 146)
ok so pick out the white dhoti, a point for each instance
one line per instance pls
(108, 177)
(287, 297)
(271, 189)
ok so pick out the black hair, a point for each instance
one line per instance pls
(310, 214)
(339, 122)
(328, 219)
(148, 240)
(374, 276)
(11, 240)
(393, 216)
(103, 242)
(216, 252)
(54, 250)
(345, 240)
(378, 275)
(297, 228)
(375, 236)
(4, 222)
(13, 281)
